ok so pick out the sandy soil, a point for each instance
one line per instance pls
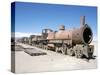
(51, 62)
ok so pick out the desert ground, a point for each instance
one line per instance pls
(52, 61)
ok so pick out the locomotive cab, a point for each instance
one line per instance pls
(45, 32)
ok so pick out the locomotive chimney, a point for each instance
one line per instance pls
(82, 21)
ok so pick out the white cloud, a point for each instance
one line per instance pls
(20, 34)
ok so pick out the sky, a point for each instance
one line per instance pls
(33, 17)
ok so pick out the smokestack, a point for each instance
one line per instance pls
(82, 21)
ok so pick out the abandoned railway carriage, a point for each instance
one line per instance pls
(75, 42)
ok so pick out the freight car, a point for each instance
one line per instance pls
(74, 42)
(35, 40)
(25, 40)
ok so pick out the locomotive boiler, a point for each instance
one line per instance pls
(82, 35)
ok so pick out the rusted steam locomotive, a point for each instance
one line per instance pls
(75, 42)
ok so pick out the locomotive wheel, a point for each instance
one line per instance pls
(78, 53)
(56, 49)
(64, 49)
(70, 52)
(46, 47)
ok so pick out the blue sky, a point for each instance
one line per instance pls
(33, 17)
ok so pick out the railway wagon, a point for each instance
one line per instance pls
(25, 40)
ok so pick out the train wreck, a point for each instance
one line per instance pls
(74, 42)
